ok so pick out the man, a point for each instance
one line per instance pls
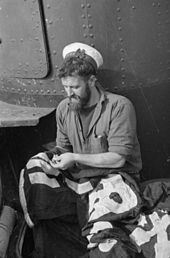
(96, 128)
(97, 156)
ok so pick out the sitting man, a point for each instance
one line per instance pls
(88, 181)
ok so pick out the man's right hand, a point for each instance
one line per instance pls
(49, 168)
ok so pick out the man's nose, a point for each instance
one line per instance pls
(69, 92)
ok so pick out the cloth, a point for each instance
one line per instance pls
(120, 218)
(152, 232)
(112, 128)
(47, 198)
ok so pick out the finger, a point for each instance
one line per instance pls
(48, 169)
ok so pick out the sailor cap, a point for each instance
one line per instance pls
(92, 55)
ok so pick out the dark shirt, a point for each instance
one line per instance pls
(111, 129)
(85, 116)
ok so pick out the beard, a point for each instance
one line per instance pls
(76, 103)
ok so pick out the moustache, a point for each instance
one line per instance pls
(73, 97)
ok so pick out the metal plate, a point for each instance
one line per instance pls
(13, 115)
(22, 49)
(134, 39)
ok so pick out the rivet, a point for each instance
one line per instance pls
(121, 50)
(133, 7)
(123, 76)
(84, 26)
(48, 91)
(56, 66)
(48, 6)
(119, 18)
(119, 28)
(83, 16)
(122, 69)
(88, 5)
(159, 4)
(36, 38)
(89, 15)
(153, 4)
(50, 22)
(123, 82)
(122, 60)
(118, 9)
(21, 40)
(120, 39)
(52, 79)
(82, 5)
(159, 13)
(91, 35)
(54, 52)
(90, 26)
(85, 35)
(92, 45)
(54, 91)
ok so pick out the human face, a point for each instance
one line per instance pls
(77, 90)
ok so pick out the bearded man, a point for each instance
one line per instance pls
(95, 163)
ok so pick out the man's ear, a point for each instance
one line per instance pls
(92, 80)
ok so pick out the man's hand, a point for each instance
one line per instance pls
(49, 168)
(64, 161)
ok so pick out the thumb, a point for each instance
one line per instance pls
(49, 169)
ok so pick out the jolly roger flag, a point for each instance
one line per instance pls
(122, 218)
(152, 234)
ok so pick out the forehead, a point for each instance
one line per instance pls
(72, 80)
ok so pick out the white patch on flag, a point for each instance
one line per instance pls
(159, 228)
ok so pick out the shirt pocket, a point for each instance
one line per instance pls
(99, 143)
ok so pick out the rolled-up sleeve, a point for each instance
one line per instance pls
(122, 133)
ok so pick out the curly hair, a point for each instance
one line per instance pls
(77, 64)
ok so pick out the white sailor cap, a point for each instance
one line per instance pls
(92, 54)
